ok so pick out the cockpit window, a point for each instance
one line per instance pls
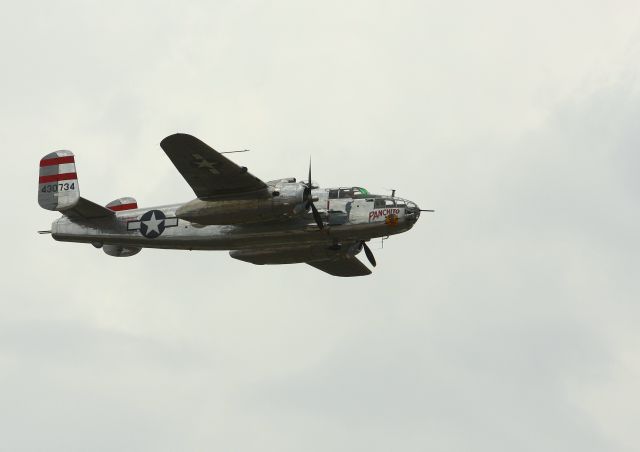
(378, 203)
(400, 202)
(359, 192)
(388, 202)
(355, 192)
(346, 193)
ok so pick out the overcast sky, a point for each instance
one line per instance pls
(507, 320)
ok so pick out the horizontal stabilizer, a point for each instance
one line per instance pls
(120, 250)
(88, 210)
(122, 204)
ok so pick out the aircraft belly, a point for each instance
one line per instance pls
(205, 238)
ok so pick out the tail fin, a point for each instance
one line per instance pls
(58, 188)
(58, 183)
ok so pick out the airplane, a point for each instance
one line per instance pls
(282, 221)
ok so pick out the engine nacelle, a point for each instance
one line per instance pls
(120, 251)
(287, 199)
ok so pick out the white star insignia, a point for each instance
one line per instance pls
(152, 224)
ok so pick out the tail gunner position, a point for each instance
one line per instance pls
(277, 222)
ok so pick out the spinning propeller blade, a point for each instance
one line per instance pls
(309, 201)
(369, 253)
(316, 216)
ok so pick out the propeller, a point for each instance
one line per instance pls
(309, 201)
(368, 253)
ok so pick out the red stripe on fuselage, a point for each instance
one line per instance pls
(57, 177)
(57, 161)
(129, 206)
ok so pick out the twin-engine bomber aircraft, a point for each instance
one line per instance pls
(278, 222)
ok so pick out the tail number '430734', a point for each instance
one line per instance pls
(52, 188)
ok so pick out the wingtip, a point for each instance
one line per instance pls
(180, 139)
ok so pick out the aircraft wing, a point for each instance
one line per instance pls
(344, 266)
(209, 173)
(320, 257)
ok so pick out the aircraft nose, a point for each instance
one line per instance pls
(413, 211)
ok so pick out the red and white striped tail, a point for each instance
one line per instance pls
(58, 182)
